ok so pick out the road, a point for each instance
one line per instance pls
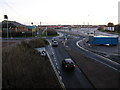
(72, 44)
(94, 56)
(74, 79)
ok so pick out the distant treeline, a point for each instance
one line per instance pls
(117, 28)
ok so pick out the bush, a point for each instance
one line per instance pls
(36, 43)
(50, 32)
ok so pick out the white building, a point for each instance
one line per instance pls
(111, 28)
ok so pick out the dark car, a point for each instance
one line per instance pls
(68, 64)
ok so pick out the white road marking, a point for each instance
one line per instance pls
(59, 72)
(56, 64)
(57, 67)
(55, 58)
(61, 78)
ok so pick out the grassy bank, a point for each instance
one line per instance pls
(23, 67)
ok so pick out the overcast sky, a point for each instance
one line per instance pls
(60, 11)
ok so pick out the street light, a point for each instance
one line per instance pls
(6, 17)
(32, 29)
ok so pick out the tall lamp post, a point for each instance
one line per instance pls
(6, 17)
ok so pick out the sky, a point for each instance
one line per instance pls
(64, 12)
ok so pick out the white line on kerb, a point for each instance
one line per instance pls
(55, 58)
(56, 64)
(59, 72)
(61, 78)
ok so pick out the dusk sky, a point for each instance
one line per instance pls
(60, 11)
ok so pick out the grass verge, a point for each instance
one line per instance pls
(23, 67)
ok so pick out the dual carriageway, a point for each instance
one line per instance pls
(77, 78)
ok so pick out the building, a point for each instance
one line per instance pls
(13, 26)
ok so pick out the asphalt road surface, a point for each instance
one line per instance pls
(72, 44)
(73, 79)
(76, 78)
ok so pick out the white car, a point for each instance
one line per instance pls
(41, 51)
(54, 43)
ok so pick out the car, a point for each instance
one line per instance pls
(54, 43)
(53, 39)
(68, 64)
(43, 53)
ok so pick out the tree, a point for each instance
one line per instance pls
(110, 24)
(117, 28)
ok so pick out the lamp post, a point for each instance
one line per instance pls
(32, 29)
(6, 17)
(46, 31)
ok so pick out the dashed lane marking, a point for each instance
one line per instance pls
(57, 67)
(55, 58)
(56, 64)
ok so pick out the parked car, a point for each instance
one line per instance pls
(68, 64)
(54, 43)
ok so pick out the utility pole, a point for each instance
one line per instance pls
(40, 23)
(46, 31)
